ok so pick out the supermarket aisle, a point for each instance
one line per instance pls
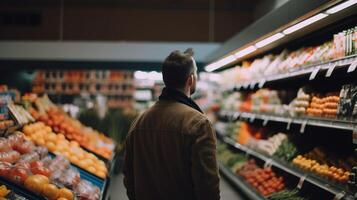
(118, 190)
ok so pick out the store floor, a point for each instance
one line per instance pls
(118, 191)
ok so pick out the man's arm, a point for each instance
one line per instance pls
(128, 170)
(204, 164)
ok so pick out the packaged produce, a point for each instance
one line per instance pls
(30, 157)
(265, 181)
(299, 105)
(5, 169)
(10, 156)
(86, 191)
(347, 108)
(19, 174)
(269, 146)
(58, 144)
(70, 178)
(4, 145)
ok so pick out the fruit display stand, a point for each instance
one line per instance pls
(87, 175)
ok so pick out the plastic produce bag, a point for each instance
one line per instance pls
(87, 191)
(70, 178)
(10, 157)
(4, 145)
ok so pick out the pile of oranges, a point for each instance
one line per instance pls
(60, 122)
(57, 143)
(41, 185)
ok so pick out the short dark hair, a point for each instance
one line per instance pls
(177, 67)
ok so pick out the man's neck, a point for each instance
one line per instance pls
(185, 92)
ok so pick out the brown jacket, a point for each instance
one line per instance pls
(171, 155)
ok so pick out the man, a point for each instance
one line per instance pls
(170, 151)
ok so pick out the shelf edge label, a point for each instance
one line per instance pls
(339, 195)
(261, 83)
(314, 73)
(352, 67)
(331, 67)
(301, 182)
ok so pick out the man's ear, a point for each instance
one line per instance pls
(190, 80)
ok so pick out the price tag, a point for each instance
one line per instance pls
(303, 126)
(301, 182)
(238, 87)
(265, 121)
(354, 135)
(314, 73)
(339, 196)
(252, 85)
(268, 163)
(352, 67)
(330, 69)
(236, 115)
(246, 85)
(261, 83)
(252, 118)
(289, 124)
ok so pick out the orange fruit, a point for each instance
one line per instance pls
(101, 174)
(60, 136)
(51, 146)
(52, 137)
(91, 169)
(48, 129)
(27, 130)
(74, 144)
(62, 198)
(66, 193)
(34, 184)
(50, 191)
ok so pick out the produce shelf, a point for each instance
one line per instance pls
(304, 71)
(239, 183)
(326, 186)
(311, 121)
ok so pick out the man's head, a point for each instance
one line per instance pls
(179, 71)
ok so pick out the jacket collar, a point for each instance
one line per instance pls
(176, 95)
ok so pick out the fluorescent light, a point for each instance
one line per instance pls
(245, 51)
(304, 23)
(269, 40)
(216, 65)
(341, 6)
(211, 67)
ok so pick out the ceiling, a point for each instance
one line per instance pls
(127, 20)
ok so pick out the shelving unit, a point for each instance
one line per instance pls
(117, 85)
(231, 116)
(314, 61)
(335, 190)
(307, 73)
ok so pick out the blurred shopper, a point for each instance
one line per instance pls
(171, 148)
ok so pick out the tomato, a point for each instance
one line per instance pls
(41, 170)
(23, 165)
(18, 175)
(34, 164)
(5, 169)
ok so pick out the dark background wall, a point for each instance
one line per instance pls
(130, 20)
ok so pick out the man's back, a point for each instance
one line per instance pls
(170, 154)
